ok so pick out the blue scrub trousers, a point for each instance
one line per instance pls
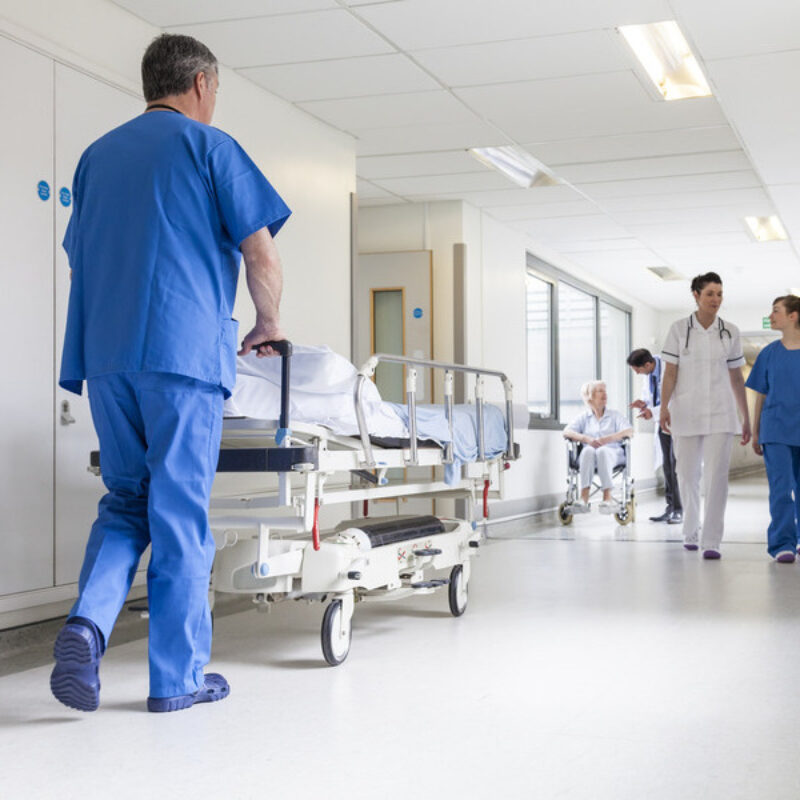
(783, 473)
(159, 445)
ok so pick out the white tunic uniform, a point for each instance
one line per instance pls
(702, 401)
(704, 420)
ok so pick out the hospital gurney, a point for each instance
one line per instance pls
(269, 543)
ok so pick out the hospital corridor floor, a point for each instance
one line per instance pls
(593, 661)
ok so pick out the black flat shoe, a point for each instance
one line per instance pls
(665, 517)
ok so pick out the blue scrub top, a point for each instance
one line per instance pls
(161, 205)
(776, 374)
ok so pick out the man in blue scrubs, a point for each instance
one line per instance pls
(164, 206)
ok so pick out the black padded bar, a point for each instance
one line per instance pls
(400, 530)
(266, 459)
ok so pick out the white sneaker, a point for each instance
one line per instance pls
(607, 507)
(579, 507)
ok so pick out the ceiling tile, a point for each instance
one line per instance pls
(721, 29)
(425, 138)
(511, 197)
(347, 77)
(661, 166)
(354, 114)
(586, 105)
(367, 190)
(618, 246)
(165, 13)
(635, 145)
(402, 166)
(742, 179)
(754, 93)
(787, 200)
(542, 211)
(417, 24)
(526, 59)
(287, 39)
(439, 184)
(690, 199)
(710, 216)
(595, 226)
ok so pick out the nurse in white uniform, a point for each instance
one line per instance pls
(703, 387)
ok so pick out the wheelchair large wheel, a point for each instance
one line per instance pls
(564, 515)
(627, 514)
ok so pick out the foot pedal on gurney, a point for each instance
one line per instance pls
(435, 583)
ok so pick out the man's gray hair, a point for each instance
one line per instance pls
(587, 390)
(170, 63)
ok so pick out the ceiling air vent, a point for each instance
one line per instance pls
(666, 273)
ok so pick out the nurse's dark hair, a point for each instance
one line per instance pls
(791, 302)
(699, 282)
(170, 63)
(640, 357)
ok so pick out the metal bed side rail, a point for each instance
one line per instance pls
(368, 370)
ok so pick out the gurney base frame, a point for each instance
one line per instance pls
(346, 570)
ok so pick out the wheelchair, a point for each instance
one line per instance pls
(625, 497)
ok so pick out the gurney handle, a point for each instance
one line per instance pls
(284, 348)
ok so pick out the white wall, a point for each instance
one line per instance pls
(496, 337)
(310, 164)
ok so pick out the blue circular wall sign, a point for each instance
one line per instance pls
(417, 313)
(65, 196)
(43, 188)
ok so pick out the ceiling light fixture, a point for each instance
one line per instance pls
(666, 57)
(665, 273)
(516, 164)
(766, 229)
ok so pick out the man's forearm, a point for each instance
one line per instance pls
(264, 276)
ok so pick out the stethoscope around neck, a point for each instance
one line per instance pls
(721, 329)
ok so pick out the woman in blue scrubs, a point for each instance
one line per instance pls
(775, 378)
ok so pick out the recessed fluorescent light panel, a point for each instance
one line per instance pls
(666, 273)
(766, 229)
(665, 55)
(516, 164)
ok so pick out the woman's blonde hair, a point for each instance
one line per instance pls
(588, 389)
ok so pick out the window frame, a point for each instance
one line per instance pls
(554, 276)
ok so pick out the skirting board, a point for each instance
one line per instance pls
(506, 510)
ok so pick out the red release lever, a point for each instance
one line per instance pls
(486, 499)
(315, 528)
(366, 508)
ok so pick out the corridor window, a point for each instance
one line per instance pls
(576, 333)
(540, 334)
(577, 347)
(615, 339)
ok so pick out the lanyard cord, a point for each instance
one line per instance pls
(163, 105)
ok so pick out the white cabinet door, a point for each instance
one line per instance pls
(26, 319)
(86, 108)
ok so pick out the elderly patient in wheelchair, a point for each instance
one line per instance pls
(601, 435)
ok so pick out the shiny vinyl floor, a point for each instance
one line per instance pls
(592, 662)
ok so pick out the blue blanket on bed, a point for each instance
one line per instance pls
(432, 424)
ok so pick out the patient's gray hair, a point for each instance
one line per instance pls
(587, 390)
(170, 64)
